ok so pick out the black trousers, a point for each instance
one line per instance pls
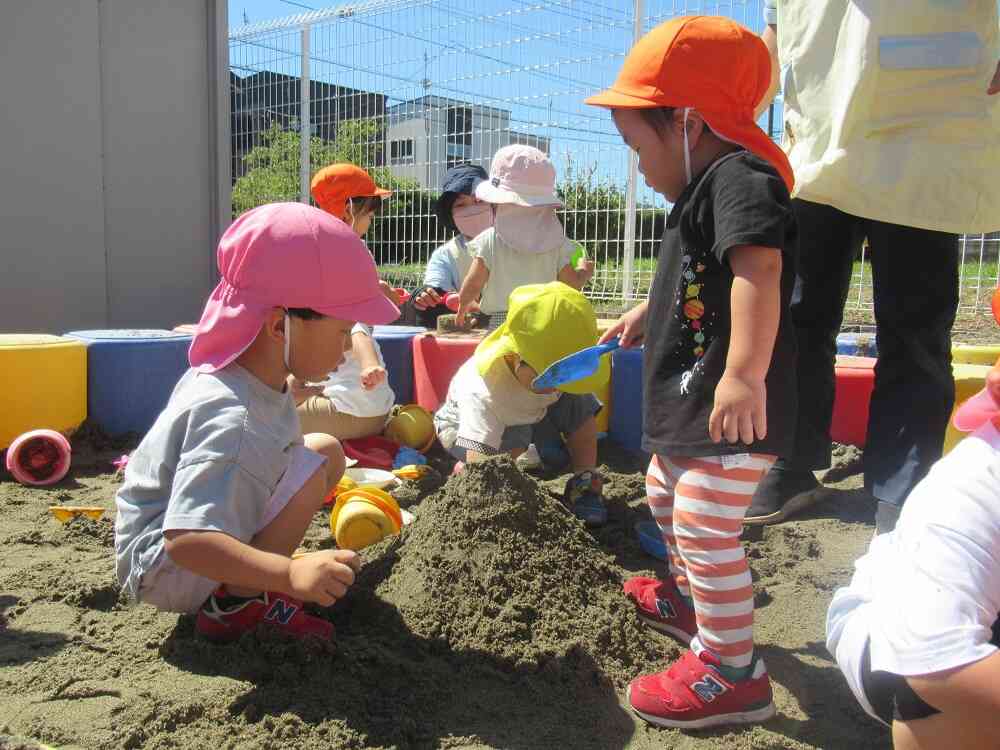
(915, 274)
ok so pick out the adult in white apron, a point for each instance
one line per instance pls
(894, 136)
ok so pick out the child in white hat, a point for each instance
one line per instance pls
(526, 244)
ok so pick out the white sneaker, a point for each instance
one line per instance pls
(529, 459)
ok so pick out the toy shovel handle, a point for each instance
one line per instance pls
(608, 346)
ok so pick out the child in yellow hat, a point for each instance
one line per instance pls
(492, 408)
(719, 359)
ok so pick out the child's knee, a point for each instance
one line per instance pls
(330, 447)
(587, 427)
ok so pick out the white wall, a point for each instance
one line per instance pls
(112, 189)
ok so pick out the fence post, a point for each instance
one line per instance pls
(628, 261)
(305, 120)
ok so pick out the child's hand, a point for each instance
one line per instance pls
(300, 391)
(372, 377)
(427, 298)
(740, 410)
(323, 577)
(462, 312)
(389, 293)
(631, 327)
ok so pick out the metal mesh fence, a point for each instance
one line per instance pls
(408, 88)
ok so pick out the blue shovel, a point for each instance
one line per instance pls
(577, 366)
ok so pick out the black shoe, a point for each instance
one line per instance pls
(780, 494)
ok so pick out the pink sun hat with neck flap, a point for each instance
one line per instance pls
(285, 255)
(521, 175)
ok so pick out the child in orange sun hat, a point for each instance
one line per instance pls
(719, 359)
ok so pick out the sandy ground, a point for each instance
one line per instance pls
(494, 622)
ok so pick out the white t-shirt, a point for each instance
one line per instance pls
(930, 590)
(511, 268)
(478, 409)
(343, 386)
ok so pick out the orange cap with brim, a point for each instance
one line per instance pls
(709, 63)
(333, 185)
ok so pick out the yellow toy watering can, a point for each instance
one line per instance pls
(363, 516)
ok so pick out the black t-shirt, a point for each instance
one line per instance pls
(738, 200)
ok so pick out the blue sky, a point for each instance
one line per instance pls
(537, 59)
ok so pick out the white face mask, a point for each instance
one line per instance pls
(687, 149)
(288, 341)
(473, 219)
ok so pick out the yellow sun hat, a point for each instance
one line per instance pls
(546, 322)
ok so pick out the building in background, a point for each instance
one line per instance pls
(267, 98)
(427, 136)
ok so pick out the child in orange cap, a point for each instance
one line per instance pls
(354, 401)
(719, 359)
(349, 193)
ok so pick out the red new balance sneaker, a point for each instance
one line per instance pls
(691, 694)
(660, 605)
(277, 610)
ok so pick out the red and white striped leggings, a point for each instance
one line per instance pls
(699, 504)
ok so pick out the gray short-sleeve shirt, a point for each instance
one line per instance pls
(210, 462)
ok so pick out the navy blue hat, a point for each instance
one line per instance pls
(460, 180)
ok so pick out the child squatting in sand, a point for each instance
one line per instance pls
(719, 359)
(221, 490)
(493, 408)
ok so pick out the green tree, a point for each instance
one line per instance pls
(400, 232)
(594, 215)
(271, 168)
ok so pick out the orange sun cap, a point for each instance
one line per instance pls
(333, 185)
(711, 64)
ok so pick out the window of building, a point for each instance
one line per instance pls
(401, 151)
(460, 125)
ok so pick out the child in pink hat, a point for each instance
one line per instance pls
(526, 244)
(220, 491)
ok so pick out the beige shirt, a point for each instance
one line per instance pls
(511, 268)
(886, 111)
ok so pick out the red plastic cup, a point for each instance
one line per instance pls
(451, 301)
(402, 295)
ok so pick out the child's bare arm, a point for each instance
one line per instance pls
(969, 701)
(472, 288)
(372, 372)
(321, 578)
(740, 410)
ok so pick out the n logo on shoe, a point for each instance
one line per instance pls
(708, 688)
(281, 612)
(666, 609)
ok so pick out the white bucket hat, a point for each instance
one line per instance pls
(520, 175)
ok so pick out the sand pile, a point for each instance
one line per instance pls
(495, 564)
(493, 622)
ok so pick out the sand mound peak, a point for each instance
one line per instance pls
(495, 564)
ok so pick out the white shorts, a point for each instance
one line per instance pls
(172, 588)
